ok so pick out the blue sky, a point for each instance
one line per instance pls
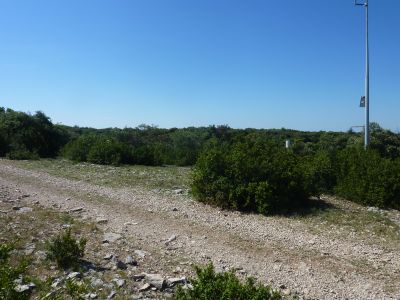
(177, 63)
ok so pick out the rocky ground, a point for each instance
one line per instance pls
(337, 250)
(114, 266)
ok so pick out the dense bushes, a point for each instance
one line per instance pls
(250, 176)
(224, 286)
(367, 178)
(245, 169)
(99, 150)
(319, 171)
(257, 176)
(145, 146)
(25, 136)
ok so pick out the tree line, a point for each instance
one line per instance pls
(246, 169)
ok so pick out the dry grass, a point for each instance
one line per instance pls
(342, 218)
(165, 178)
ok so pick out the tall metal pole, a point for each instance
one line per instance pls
(366, 82)
(366, 130)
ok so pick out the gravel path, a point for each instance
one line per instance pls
(280, 251)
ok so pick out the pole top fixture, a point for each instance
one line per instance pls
(360, 4)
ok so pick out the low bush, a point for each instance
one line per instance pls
(65, 250)
(367, 178)
(109, 152)
(77, 150)
(98, 149)
(8, 275)
(250, 176)
(22, 154)
(26, 136)
(224, 286)
(319, 171)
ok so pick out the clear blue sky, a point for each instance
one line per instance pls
(177, 63)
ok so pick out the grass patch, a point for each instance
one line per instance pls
(357, 221)
(168, 177)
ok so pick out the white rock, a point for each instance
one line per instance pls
(178, 191)
(141, 253)
(23, 210)
(29, 248)
(76, 209)
(108, 256)
(171, 239)
(96, 282)
(138, 277)
(20, 288)
(111, 237)
(130, 261)
(56, 282)
(91, 296)
(73, 275)
(144, 287)
(119, 282)
(101, 221)
(155, 280)
(174, 281)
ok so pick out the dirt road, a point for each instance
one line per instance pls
(287, 253)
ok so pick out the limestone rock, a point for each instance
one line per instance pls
(155, 280)
(130, 261)
(144, 287)
(111, 237)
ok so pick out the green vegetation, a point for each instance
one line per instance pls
(98, 150)
(25, 136)
(144, 145)
(369, 179)
(250, 175)
(33, 228)
(75, 290)
(224, 286)
(65, 250)
(8, 275)
(255, 175)
(245, 169)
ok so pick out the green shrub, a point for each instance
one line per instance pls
(21, 154)
(320, 172)
(367, 178)
(65, 250)
(5, 252)
(105, 152)
(224, 286)
(98, 149)
(250, 176)
(26, 136)
(78, 149)
(8, 274)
